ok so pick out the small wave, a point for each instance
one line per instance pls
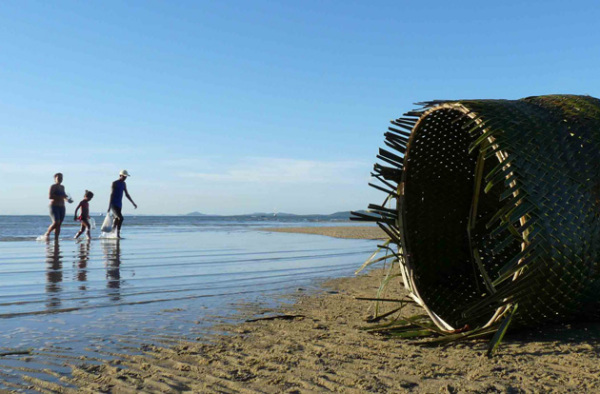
(17, 239)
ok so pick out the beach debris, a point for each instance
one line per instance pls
(13, 352)
(383, 299)
(375, 319)
(276, 317)
(490, 205)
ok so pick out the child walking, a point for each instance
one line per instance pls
(85, 214)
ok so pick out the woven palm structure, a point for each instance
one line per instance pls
(494, 204)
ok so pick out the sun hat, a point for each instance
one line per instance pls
(124, 173)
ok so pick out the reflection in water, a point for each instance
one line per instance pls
(83, 258)
(54, 274)
(112, 254)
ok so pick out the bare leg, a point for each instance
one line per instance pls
(52, 226)
(57, 230)
(50, 229)
(118, 224)
(80, 231)
(85, 225)
(57, 216)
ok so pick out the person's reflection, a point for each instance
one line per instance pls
(112, 255)
(54, 274)
(83, 256)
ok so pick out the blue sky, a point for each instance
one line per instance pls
(230, 107)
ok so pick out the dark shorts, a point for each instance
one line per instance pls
(57, 214)
(116, 212)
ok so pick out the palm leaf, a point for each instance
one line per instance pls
(501, 331)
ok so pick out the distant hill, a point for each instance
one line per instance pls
(196, 213)
(340, 215)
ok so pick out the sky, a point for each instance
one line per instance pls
(232, 107)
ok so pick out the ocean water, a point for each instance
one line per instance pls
(169, 278)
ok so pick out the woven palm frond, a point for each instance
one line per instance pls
(493, 204)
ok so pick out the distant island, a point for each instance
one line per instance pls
(196, 213)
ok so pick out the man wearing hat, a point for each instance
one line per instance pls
(116, 199)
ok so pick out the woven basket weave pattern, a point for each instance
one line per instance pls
(498, 204)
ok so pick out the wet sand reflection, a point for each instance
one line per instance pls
(83, 256)
(81, 260)
(54, 275)
(112, 256)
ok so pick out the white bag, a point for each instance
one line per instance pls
(107, 225)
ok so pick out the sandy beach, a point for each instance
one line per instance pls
(357, 232)
(316, 344)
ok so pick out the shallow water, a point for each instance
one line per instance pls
(168, 278)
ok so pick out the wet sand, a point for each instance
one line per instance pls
(319, 347)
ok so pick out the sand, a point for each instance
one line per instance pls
(321, 347)
(359, 232)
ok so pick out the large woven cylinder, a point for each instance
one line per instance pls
(494, 204)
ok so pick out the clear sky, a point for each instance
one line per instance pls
(229, 107)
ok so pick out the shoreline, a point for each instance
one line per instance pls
(316, 344)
